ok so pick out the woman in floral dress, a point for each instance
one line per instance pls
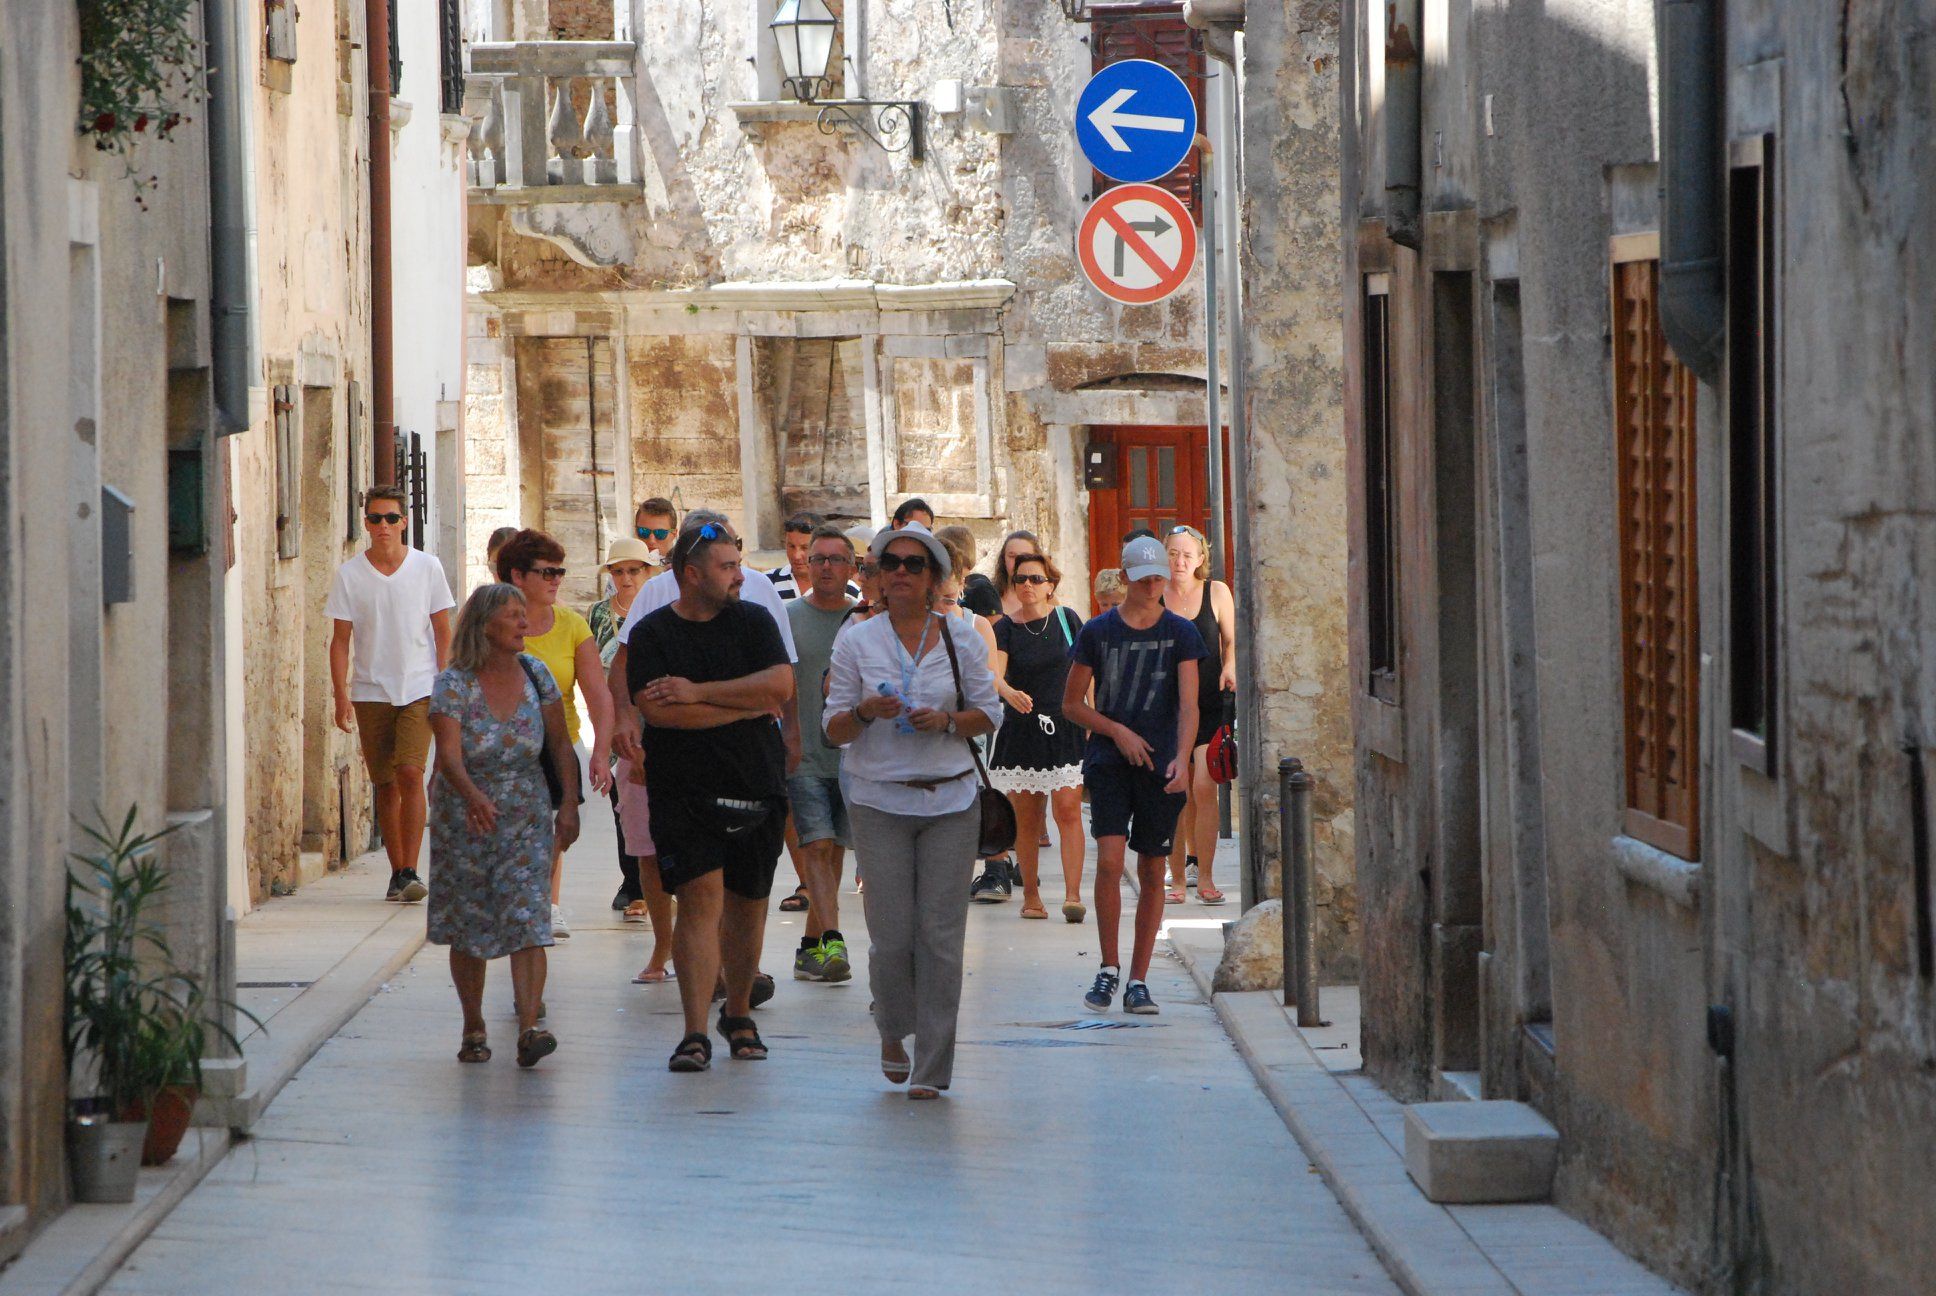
(492, 824)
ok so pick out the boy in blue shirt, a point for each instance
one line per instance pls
(1142, 658)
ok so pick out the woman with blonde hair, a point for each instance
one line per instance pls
(495, 712)
(1208, 605)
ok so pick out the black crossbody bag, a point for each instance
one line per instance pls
(997, 815)
(554, 781)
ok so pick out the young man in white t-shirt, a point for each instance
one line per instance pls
(393, 602)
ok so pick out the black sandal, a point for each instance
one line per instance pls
(735, 1029)
(473, 1048)
(535, 1045)
(695, 1053)
(795, 903)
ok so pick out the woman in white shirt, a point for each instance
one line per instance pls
(894, 704)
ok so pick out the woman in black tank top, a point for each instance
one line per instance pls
(1208, 606)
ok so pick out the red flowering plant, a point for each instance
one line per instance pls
(141, 68)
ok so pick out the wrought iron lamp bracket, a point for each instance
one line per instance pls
(883, 122)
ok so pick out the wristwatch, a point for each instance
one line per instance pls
(951, 723)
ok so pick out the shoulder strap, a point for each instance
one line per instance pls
(537, 688)
(961, 702)
(1062, 616)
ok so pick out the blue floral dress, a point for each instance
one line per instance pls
(490, 895)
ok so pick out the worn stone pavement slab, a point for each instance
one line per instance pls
(1141, 1159)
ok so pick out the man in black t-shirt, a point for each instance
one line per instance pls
(710, 675)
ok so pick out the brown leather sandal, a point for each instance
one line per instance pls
(473, 1048)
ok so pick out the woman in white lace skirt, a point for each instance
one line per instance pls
(1037, 758)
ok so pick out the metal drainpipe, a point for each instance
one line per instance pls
(228, 215)
(376, 57)
(1693, 288)
(1402, 122)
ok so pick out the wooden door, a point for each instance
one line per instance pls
(1161, 482)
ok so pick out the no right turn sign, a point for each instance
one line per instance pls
(1137, 244)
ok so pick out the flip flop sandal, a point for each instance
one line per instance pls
(1034, 911)
(923, 1092)
(735, 1029)
(535, 1045)
(474, 1049)
(1172, 897)
(695, 1053)
(649, 977)
(897, 1072)
(795, 903)
(1211, 896)
(636, 912)
(1074, 911)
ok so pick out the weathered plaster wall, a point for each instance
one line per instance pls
(685, 420)
(313, 327)
(1293, 586)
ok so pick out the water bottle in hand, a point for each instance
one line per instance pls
(901, 722)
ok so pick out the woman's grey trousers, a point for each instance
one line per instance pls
(918, 868)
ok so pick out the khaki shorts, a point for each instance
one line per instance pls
(393, 736)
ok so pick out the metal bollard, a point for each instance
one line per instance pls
(1294, 863)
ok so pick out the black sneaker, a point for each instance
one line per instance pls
(1137, 1000)
(1102, 993)
(993, 886)
(626, 895)
(395, 891)
(413, 888)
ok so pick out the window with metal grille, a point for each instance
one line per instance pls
(396, 53)
(1751, 452)
(1381, 492)
(450, 47)
(1158, 33)
(1653, 398)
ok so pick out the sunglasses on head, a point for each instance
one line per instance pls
(1031, 578)
(653, 533)
(549, 573)
(711, 531)
(912, 564)
(391, 518)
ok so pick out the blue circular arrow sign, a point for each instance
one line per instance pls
(1136, 120)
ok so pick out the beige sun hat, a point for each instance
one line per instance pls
(628, 549)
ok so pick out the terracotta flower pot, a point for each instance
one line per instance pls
(168, 1119)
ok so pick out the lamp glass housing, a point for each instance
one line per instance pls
(804, 31)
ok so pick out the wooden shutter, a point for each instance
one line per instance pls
(1159, 34)
(1659, 630)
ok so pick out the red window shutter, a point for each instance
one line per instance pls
(1659, 621)
(1161, 36)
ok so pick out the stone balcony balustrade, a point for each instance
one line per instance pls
(530, 145)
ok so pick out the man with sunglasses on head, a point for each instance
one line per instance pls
(662, 591)
(391, 611)
(708, 673)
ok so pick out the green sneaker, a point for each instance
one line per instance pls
(810, 964)
(833, 961)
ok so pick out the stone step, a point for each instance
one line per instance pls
(311, 866)
(1468, 1152)
(1458, 1086)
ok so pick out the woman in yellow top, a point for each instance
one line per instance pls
(561, 639)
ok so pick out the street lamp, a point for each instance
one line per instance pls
(804, 30)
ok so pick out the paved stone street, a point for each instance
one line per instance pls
(1123, 1160)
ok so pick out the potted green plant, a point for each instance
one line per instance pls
(137, 1024)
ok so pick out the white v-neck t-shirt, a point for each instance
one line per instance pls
(393, 655)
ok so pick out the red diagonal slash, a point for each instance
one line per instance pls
(1137, 243)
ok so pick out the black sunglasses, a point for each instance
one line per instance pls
(828, 560)
(391, 518)
(912, 564)
(1031, 578)
(653, 533)
(549, 573)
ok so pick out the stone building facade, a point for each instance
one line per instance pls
(111, 654)
(1641, 649)
(743, 301)
(302, 802)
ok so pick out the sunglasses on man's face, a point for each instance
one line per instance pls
(374, 518)
(829, 560)
(912, 564)
(1031, 578)
(653, 533)
(549, 573)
